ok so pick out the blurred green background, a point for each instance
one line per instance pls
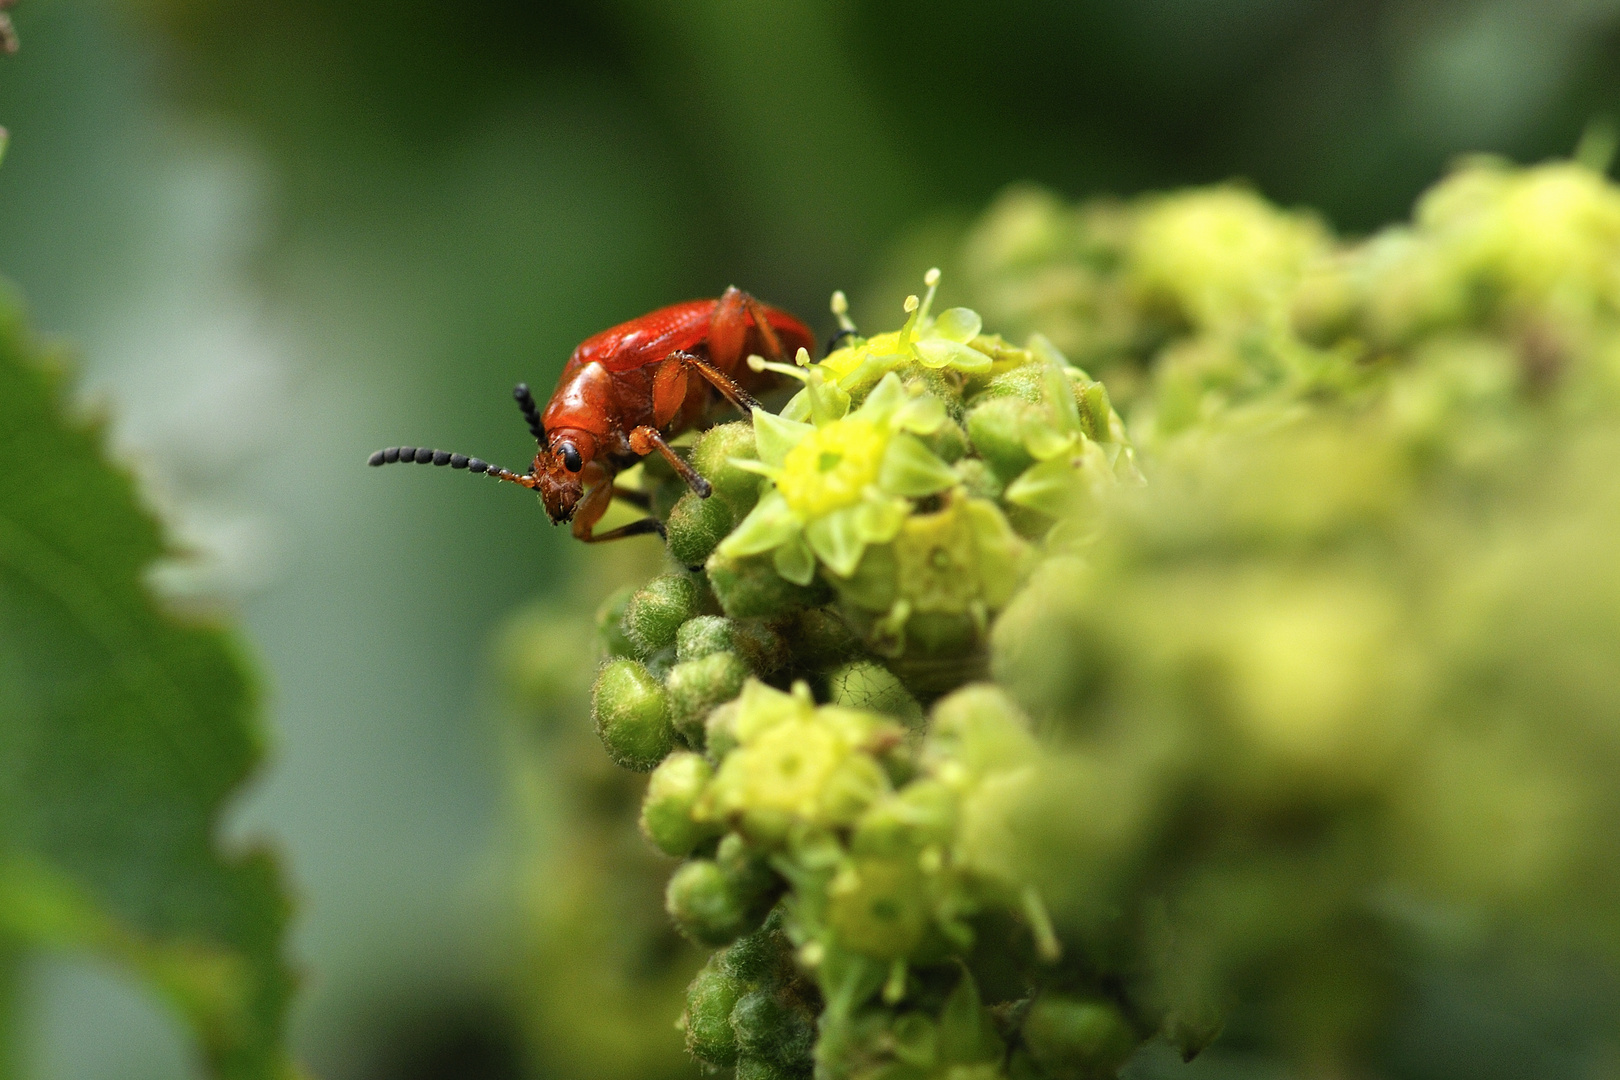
(283, 234)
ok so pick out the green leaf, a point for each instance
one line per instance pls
(123, 731)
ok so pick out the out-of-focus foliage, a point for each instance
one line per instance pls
(1320, 715)
(123, 730)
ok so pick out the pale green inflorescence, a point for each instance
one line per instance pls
(1006, 739)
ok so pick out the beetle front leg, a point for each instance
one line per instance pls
(665, 408)
(590, 511)
(728, 329)
(645, 440)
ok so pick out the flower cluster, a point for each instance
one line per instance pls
(985, 758)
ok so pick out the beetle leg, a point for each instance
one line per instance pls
(639, 499)
(590, 511)
(719, 380)
(645, 440)
(669, 389)
(728, 329)
(773, 344)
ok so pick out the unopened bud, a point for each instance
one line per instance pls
(709, 1001)
(751, 588)
(695, 526)
(773, 1028)
(666, 810)
(656, 612)
(1077, 1039)
(696, 686)
(631, 711)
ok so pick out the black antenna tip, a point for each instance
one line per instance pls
(379, 458)
(520, 391)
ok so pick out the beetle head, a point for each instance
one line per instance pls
(560, 469)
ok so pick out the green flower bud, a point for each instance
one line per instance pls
(657, 610)
(747, 869)
(865, 684)
(705, 904)
(696, 686)
(750, 587)
(702, 635)
(666, 810)
(879, 907)
(715, 901)
(773, 1028)
(820, 639)
(757, 643)
(720, 731)
(707, 1020)
(765, 956)
(631, 711)
(979, 480)
(1075, 1039)
(750, 1068)
(713, 456)
(610, 623)
(949, 443)
(695, 526)
(997, 430)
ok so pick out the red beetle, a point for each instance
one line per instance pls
(624, 391)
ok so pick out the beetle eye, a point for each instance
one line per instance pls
(571, 459)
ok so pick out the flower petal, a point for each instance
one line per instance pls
(794, 561)
(887, 396)
(938, 352)
(911, 469)
(1050, 487)
(827, 400)
(835, 539)
(770, 524)
(958, 324)
(774, 436)
(879, 518)
(923, 414)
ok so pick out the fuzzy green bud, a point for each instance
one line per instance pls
(865, 684)
(610, 623)
(820, 639)
(715, 901)
(761, 957)
(751, 588)
(666, 810)
(696, 686)
(701, 636)
(631, 711)
(707, 1020)
(712, 457)
(656, 612)
(1075, 1039)
(751, 1068)
(773, 1028)
(997, 430)
(757, 643)
(695, 526)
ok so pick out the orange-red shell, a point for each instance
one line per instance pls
(606, 387)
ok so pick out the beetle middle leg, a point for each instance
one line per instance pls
(670, 383)
(645, 440)
(594, 505)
